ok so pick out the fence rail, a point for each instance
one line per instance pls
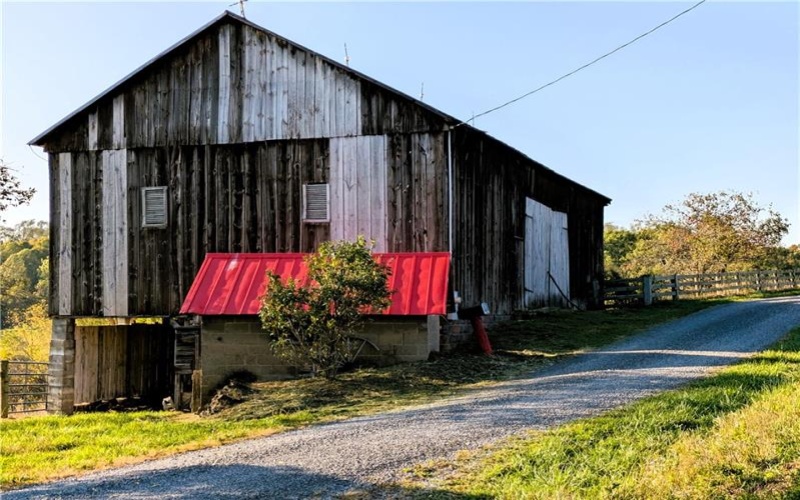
(23, 387)
(647, 289)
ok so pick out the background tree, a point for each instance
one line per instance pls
(12, 194)
(705, 233)
(24, 289)
(310, 324)
(24, 268)
(618, 243)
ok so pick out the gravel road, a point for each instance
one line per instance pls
(325, 461)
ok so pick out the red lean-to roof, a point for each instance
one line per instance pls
(233, 283)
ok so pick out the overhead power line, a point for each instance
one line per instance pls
(553, 82)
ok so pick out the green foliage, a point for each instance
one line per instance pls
(310, 324)
(24, 289)
(24, 269)
(29, 338)
(618, 243)
(12, 194)
(705, 233)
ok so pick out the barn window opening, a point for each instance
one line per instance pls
(316, 202)
(154, 206)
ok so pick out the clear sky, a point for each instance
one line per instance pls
(708, 103)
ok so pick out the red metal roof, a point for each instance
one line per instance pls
(233, 283)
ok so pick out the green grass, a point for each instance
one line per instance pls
(735, 435)
(42, 448)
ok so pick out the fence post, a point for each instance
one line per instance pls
(647, 290)
(197, 391)
(758, 281)
(674, 282)
(4, 402)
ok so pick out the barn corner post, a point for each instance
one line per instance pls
(61, 373)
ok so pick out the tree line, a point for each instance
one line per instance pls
(704, 233)
(24, 285)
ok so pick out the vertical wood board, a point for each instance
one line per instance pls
(65, 234)
(359, 189)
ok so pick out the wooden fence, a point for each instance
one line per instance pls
(647, 289)
(23, 387)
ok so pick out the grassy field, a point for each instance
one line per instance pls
(735, 435)
(44, 448)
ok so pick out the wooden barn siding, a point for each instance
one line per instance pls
(240, 198)
(235, 84)
(114, 243)
(358, 189)
(491, 184)
(120, 361)
(417, 193)
(80, 285)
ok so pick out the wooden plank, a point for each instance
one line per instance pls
(537, 252)
(559, 257)
(120, 159)
(320, 104)
(86, 363)
(109, 219)
(337, 193)
(309, 99)
(118, 123)
(259, 53)
(271, 101)
(252, 122)
(92, 131)
(293, 95)
(65, 234)
(350, 188)
(115, 233)
(379, 188)
(223, 128)
(283, 93)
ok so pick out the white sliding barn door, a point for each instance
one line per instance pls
(546, 255)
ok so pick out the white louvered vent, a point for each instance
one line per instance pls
(316, 202)
(154, 206)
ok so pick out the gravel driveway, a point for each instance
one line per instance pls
(325, 461)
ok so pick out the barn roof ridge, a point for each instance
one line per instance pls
(228, 16)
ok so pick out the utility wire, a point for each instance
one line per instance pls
(523, 96)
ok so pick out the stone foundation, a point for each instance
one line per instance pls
(459, 333)
(61, 372)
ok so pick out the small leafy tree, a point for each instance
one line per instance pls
(12, 194)
(310, 324)
(705, 233)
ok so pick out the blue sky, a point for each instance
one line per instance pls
(708, 103)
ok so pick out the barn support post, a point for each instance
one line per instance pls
(61, 374)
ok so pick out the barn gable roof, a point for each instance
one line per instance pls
(229, 17)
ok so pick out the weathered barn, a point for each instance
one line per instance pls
(236, 140)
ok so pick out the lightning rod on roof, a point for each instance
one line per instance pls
(346, 56)
(241, 6)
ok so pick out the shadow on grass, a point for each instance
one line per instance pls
(600, 452)
(223, 482)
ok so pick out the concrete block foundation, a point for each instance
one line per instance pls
(228, 345)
